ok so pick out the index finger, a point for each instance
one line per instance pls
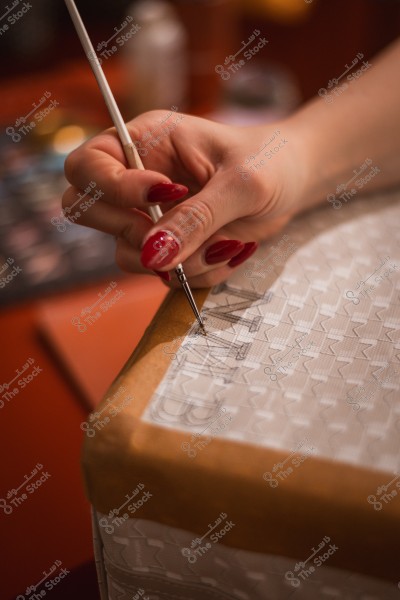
(101, 160)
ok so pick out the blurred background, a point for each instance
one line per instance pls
(69, 318)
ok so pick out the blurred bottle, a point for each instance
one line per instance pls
(261, 93)
(156, 58)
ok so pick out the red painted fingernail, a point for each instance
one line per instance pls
(223, 250)
(159, 250)
(165, 192)
(247, 251)
(163, 274)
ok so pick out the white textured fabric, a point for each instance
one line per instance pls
(294, 351)
(301, 352)
(148, 556)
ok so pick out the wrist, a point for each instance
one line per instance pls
(314, 181)
(301, 186)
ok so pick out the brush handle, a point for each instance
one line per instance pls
(134, 161)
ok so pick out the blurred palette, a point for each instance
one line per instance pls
(40, 251)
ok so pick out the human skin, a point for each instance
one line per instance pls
(324, 144)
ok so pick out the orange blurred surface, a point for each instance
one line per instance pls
(94, 353)
(41, 424)
(74, 87)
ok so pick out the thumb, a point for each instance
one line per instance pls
(184, 228)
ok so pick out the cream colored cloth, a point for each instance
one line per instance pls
(144, 555)
(300, 349)
(301, 356)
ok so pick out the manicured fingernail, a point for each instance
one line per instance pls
(165, 192)
(247, 251)
(163, 274)
(159, 250)
(223, 250)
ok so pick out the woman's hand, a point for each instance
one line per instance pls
(222, 189)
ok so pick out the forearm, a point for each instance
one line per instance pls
(333, 140)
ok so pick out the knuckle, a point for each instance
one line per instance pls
(72, 163)
(195, 219)
(117, 187)
(121, 258)
(146, 120)
(128, 233)
(76, 160)
(124, 188)
(152, 114)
